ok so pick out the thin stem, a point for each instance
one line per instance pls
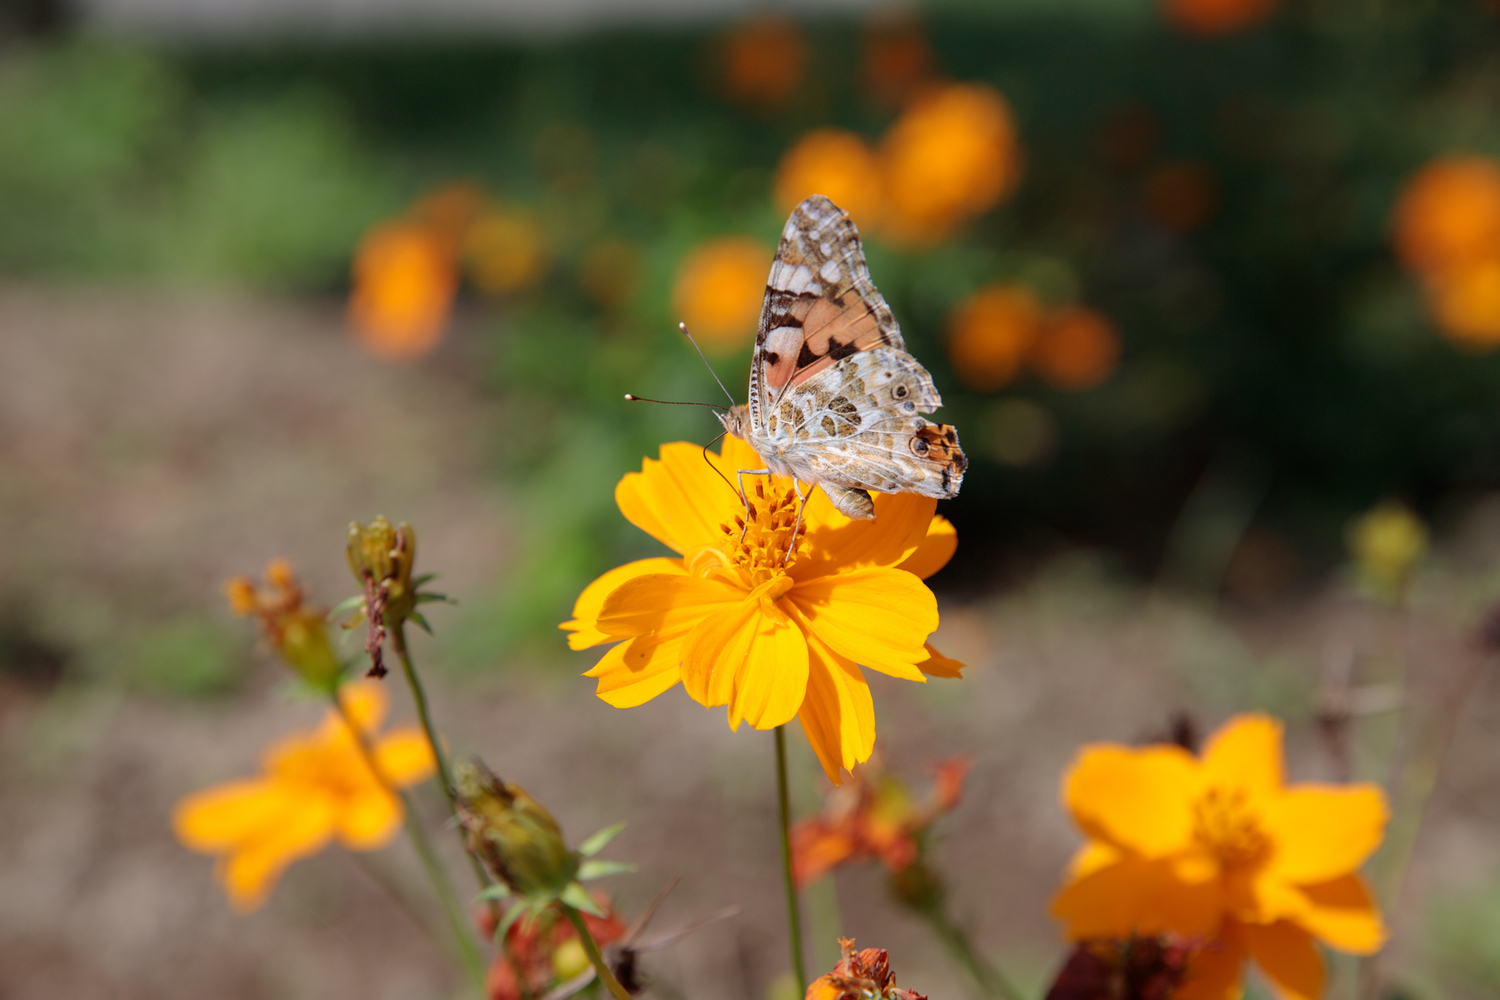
(596, 957)
(793, 909)
(398, 894)
(956, 940)
(468, 951)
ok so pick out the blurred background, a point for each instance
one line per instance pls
(1201, 282)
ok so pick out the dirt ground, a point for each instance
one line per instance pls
(150, 446)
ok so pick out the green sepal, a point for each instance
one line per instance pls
(513, 914)
(347, 604)
(595, 844)
(424, 578)
(598, 869)
(497, 891)
(424, 598)
(575, 896)
(420, 620)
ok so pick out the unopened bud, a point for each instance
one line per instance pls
(509, 831)
(860, 975)
(382, 556)
(1387, 543)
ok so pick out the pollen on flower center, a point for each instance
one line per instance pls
(767, 525)
(1224, 824)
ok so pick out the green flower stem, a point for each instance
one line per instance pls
(468, 950)
(596, 957)
(793, 908)
(445, 771)
(956, 940)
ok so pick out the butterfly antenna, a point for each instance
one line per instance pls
(632, 397)
(689, 336)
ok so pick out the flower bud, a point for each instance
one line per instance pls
(294, 628)
(381, 558)
(1387, 543)
(860, 975)
(509, 831)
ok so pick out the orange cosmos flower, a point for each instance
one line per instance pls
(990, 334)
(405, 279)
(764, 61)
(872, 817)
(860, 975)
(1217, 17)
(1076, 348)
(738, 623)
(719, 289)
(896, 61)
(315, 786)
(1465, 301)
(1219, 848)
(1448, 214)
(838, 165)
(952, 155)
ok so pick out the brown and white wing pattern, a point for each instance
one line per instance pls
(820, 308)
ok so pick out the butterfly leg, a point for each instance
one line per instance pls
(744, 497)
(797, 528)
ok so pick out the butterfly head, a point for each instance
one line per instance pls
(736, 420)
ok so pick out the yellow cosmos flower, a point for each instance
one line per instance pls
(315, 786)
(740, 624)
(1219, 848)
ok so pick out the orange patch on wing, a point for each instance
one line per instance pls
(843, 323)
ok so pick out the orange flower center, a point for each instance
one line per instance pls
(758, 542)
(1225, 826)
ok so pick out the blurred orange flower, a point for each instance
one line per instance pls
(835, 164)
(316, 786)
(1217, 17)
(1179, 197)
(741, 623)
(292, 626)
(952, 155)
(873, 816)
(764, 61)
(451, 211)
(405, 279)
(860, 975)
(896, 60)
(544, 952)
(506, 250)
(1077, 348)
(1219, 848)
(1465, 301)
(719, 289)
(990, 334)
(1448, 214)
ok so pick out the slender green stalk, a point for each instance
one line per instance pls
(468, 950)
(596, 957)
(956, 940)
(793, 908)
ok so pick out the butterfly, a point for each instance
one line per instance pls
(835, 399)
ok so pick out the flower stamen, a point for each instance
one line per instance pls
(1225, 825)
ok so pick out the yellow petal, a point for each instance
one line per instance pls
(1289, 959)
(1344, 916)
(680, 500)
(1091, 857)
(252, 870)
(1217, 970)
(661, 602)
(1324, 831)
(1137, 799)
(934, 551)
(1137, 895)
(938, 665)
(585, 632)
(220, 817)
(740, 658)
(1245, 753)
(838, 714)
(405, 757)
(365, 701)
(369, 820)
(900, 525)
(639, 669)
(879, 618)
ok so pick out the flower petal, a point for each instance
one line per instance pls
(1137, 799)
(251, 872)
(938, 665)
(218, 818)
(1288, 957)
(365, 701)
(369, 820)
(1217, 970)
(680, 500)
(1324, 831)
(585, 632)
(879, 618)
(1137, 895)
(1091, 857)
(741, 658)
(900, 525)
(661, 602)
(405, 757)
(1344, 915)
(1245, 753)
(638, 670)
(935, 549)
(838, 714)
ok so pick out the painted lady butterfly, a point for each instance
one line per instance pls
(834, 397)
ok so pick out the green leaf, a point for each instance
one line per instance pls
(595, 844)
(424, 578)
(421, 620)
(348, 604)
(599, 869)
(575, 896)
(497, 891)
(425, 598)
(517, 908)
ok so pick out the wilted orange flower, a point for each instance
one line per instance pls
(740, 623)
(952, 154)
(990, 333)
(1448, 214)
(719, 288)
(860, 975)
(1076, 348)
(315, 786)
(506, 250)
(1217, 17)
(835, 164)
(896, 60)
(293, 627)
(873, 816)
(405, 279)
(544, 952)
(1179, 196)
(1219, 848)
(764, 61)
